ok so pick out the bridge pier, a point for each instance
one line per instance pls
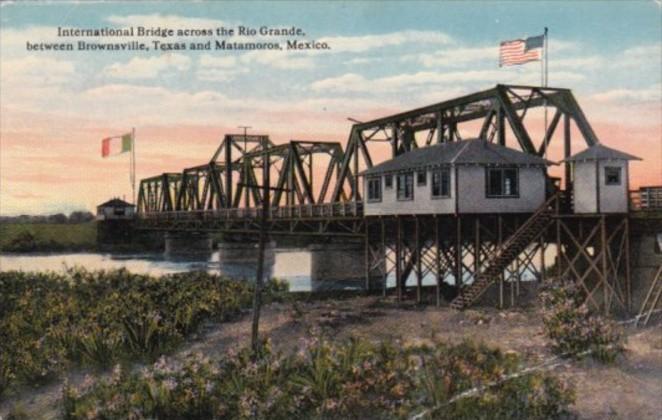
(188, 244)
(340, 265)
(239, 259)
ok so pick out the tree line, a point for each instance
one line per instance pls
(57, 218)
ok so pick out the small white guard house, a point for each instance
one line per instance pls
(115, 209)
(470, 176)
(600, 180)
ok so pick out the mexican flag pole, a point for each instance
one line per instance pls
(115, 145)
(133, 165)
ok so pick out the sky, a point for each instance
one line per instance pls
(385, 57)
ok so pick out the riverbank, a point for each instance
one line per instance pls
(628, 388)
(48, 237)
(34, 238)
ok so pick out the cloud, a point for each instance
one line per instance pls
(640, 57)
(352, 82)
(14, 39)
(370, 42)
(33, 71)
(650, 94)
(149, 67)
(219, 69)
(304, 60)
(459, 56)
(157, 20)
(640, 51)
(580, 63)
(283, 60)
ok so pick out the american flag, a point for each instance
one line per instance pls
(520, 51)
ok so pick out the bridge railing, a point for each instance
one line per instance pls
(306, 211)
(646, 199)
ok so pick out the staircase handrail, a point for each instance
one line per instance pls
(553, 200)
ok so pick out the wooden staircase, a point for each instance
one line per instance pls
(652, 298)
(507, 252)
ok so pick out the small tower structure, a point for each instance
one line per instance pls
(600, 180)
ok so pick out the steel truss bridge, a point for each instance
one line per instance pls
(315, 190)
(224, 193)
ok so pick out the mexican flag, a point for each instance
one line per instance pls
(116, 145)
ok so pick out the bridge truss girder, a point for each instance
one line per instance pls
(233, 177)
(497, 108)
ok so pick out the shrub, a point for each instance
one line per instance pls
(352, 379)
(574, 330)
(49, 320)
(23, 242)
(18, 412)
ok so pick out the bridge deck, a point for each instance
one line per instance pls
(304, 211)
(337, 219)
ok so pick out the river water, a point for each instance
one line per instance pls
(290, 265)
(293, 266)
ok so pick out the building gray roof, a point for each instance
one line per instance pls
(466, 152)
(115, 202)
(600, 152)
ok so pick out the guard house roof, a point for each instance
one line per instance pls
(599, 152)
(115, 202)
(466, 152)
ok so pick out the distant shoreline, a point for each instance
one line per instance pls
(51, 238)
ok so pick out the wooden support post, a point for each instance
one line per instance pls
(458, 254)
(628, 280)
(438, 260)
(518, 268)
(385, 275)
(542, 258)
(398, 257)
(518, 276)
(559, 249)
(368, 263)
(499, 242)
(604, 274)
(477, 247)
(511, 287)
(417, 245)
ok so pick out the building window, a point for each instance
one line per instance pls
(502, 182)
(374, 189)
(421, 178)
(405, 186)
(441, 183)
(612, 175)
(388, 181)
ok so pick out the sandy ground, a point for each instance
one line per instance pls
(629, 389)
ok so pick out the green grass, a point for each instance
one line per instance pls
(44, 237)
